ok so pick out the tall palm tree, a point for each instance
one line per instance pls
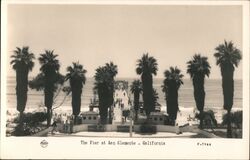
(76, 77)
(136, 89)
(146, 67)
(155, 97)
(198, 68)
(228, 57)
(171, 85)
(22, 63)
(103, 86)
(50, 68)
(112, 69)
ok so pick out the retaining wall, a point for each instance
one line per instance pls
(136, 128)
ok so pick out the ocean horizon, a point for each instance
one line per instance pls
(213, 89)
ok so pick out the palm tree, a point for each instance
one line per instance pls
(136, 89)
(171, 85)
(22, 63)
(228, 57)
(112, 69)
(146, 67)
(198, 68)
(103, 86)
(50, 68)
(76, 76)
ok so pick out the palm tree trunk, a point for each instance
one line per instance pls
(75, 119)
(103, 114)
(49, 114)
(21, 89)
(136, 115)
(103, 119)
(229, 127)
(76, 102)
(147, 84)
(21, 118)
(201, 119)
(199, 95)
(110, 115)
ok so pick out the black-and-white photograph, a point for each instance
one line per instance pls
(128, 71)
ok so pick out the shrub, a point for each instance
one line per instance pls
(208, 117)
(29, 123)
(125, 113)
(236, 119)
(147, 128)
(122, 128)
(169, 121)
(22, 130)
(96, 128)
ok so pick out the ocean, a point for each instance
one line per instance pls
(213, 89)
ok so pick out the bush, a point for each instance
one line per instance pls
(122, 128)
(96, 128)
(22, 130)
(78, 120)
(236, 119)
(169, 121)
(125, 113)
(146, 128)
(29, 123)
(32, 118)
(236, 122)
(208, 117)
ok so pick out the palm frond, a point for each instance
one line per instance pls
(22, 58)
(76, 73)
(226, 54)
(198, 65)
(147, 64)
(172, 75)
(48, 61)
(136, 86)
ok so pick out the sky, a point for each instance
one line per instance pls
(97, 34)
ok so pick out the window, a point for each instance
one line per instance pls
(89, 118)
(84, 118)
(160, 119)
(155, 119)
(94, 118)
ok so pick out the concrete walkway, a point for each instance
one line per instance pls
(126, 135)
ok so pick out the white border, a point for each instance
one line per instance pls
(65, 147)
(131, 2)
